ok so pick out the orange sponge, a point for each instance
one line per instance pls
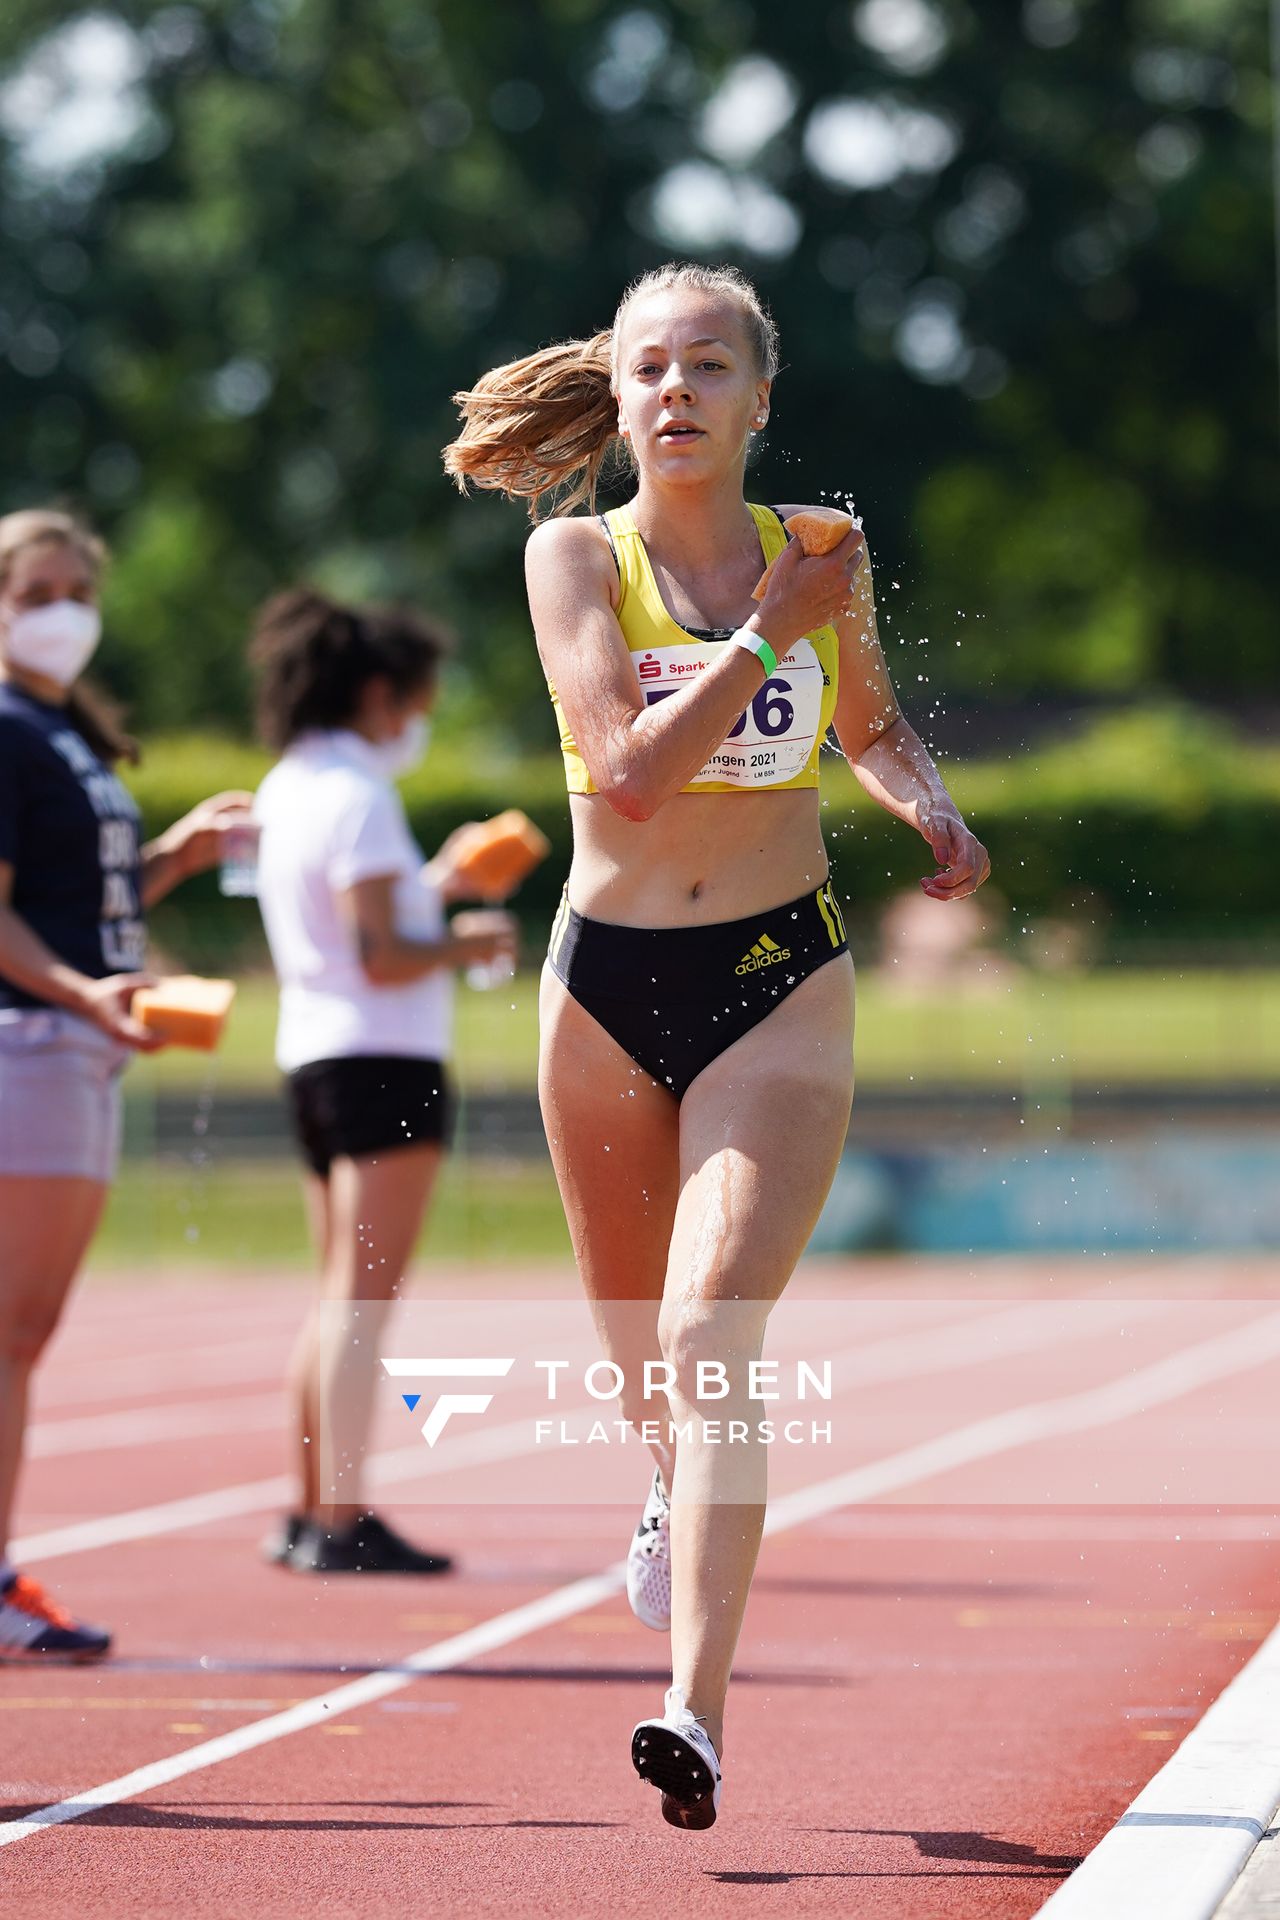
(494, 856)
(818, 529)
(185, 1010)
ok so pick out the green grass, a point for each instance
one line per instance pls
(1115, 1025)
(1110, 1027)
(248, 1216)
(1035, 1032)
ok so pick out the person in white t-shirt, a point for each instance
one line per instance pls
(364, 955)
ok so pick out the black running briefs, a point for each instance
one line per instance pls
(367, 1104)
(674, 998)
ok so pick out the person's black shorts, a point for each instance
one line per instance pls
(675, 998)
(368, 1104)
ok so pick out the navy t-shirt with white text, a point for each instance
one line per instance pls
(69, 829)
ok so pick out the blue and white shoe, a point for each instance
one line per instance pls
(675, 1755)
(649, 1562)
(34, 1627)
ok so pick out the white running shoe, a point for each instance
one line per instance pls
(675, 1755)
(649, 1562)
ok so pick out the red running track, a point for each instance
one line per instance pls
(946, 1692)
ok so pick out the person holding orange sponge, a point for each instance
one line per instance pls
(492, 857)
(184, 1010)
(74, 888)
(365, 957)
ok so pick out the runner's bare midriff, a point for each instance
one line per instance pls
(703, 857)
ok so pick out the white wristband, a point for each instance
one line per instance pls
(757, 644)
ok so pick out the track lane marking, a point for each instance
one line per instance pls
(1176, 1852)
(194, 1360)
(139, 1426)
(454, 1652)
(955, 1344)
(1166, 1379)
(114, 1379)
(1179, 1373)
(260, 1357)
(889, 1357)
(1103, 1522)
(252, 1496)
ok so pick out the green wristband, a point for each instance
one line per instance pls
(757, 644)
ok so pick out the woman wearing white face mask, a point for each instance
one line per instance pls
(73, 886)
(364, 957)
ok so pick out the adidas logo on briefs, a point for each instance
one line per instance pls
(764, 953)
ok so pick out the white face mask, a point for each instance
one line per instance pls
(401, 755)
(57, 641)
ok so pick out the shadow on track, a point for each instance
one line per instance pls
(353, 1669)
(198, 1820)
(967, 1846)
(1018, 1862)
(990, 1590)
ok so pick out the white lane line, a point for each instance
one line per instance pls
(138, 1427)
(146, 1523)
(1010, 1522)
(498, 1632)
(955, 1344)
(80, 1379)
(254, 1496)
(76, 1381)
(1177, 1851)
(1133, 1393)
(1180, 1372)
(993, 1337)
(243, 1361)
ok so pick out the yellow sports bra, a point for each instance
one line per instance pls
(775, 743)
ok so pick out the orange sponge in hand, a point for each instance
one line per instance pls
(492, 857)
(818, 529)
(185, 1010)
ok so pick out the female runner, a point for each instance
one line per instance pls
(696, 1103)
(355, 921)
(73, 887)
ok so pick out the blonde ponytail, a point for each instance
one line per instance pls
(539, 428)
(542, 428)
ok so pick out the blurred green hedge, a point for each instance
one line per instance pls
(1154, 824)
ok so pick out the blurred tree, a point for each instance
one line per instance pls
(1020, 256)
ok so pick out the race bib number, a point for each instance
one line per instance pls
(772, 741)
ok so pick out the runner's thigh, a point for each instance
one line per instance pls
(614, 1139)
(761, 1132)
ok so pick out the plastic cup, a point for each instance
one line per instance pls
(238, 867)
